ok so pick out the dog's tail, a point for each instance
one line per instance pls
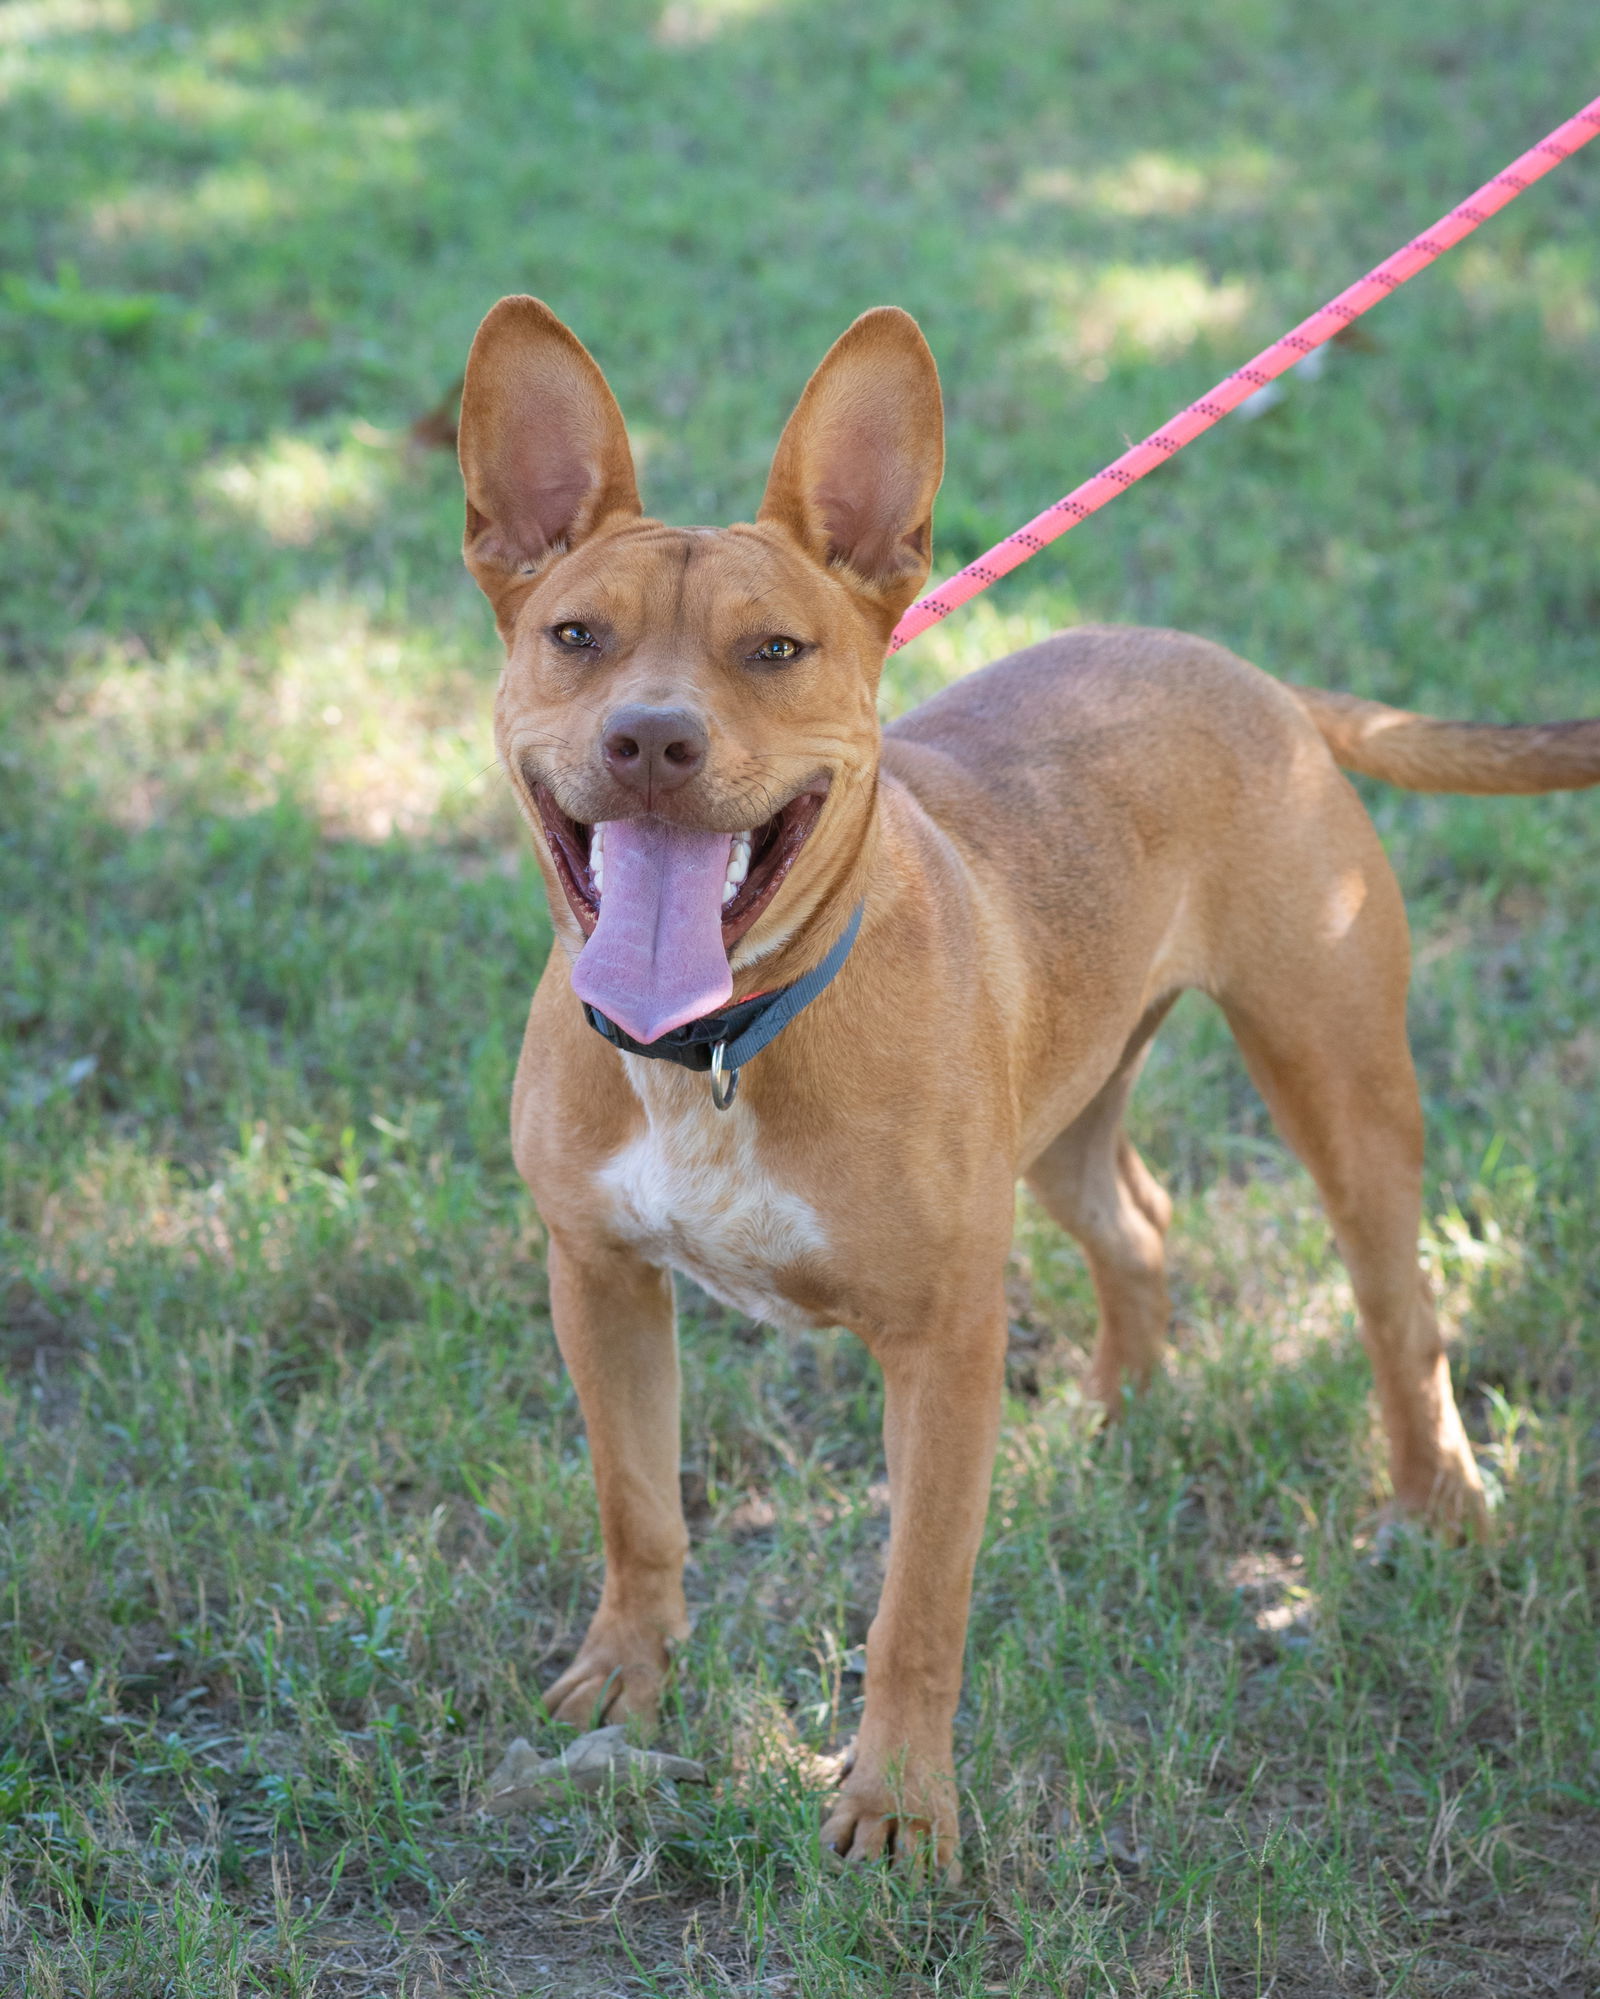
(1421, 753)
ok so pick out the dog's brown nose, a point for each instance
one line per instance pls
(653, 749)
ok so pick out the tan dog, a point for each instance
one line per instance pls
(1047, 854)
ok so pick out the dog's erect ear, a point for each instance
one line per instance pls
(860, 460)
(544, 451)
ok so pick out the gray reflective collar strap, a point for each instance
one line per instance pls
(791, 1000)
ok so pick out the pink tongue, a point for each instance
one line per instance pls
(656, 957)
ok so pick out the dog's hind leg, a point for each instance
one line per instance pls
(1093, 1183)
(1317, 1004)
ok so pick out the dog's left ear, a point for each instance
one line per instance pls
(544, 451)
(860, 460)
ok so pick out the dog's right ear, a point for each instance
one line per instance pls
(544, 451)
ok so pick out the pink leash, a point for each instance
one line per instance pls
(1243, 383)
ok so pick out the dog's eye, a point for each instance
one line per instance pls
(779, 649)
(571, 633)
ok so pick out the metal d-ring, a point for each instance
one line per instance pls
(724, 1081)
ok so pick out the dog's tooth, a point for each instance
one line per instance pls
(738, 868)
(597, 858)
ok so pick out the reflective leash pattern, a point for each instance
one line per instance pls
(1244, 382)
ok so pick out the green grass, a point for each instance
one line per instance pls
(295, 1506)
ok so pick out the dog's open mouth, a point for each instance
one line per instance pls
(758, 860)
(661, 905)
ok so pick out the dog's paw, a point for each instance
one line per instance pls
(618, 1675)
(907, 1816)
(1450, 1500)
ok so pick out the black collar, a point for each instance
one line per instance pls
(725, 1041)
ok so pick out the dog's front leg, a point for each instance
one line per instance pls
(941, 1419)
(614, 1324)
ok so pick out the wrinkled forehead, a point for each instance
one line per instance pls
(651, 579)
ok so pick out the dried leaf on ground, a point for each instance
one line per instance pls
(596, 1761)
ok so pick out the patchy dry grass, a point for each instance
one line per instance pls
(296, 1512)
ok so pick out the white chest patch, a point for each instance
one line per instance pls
(691, 1192)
